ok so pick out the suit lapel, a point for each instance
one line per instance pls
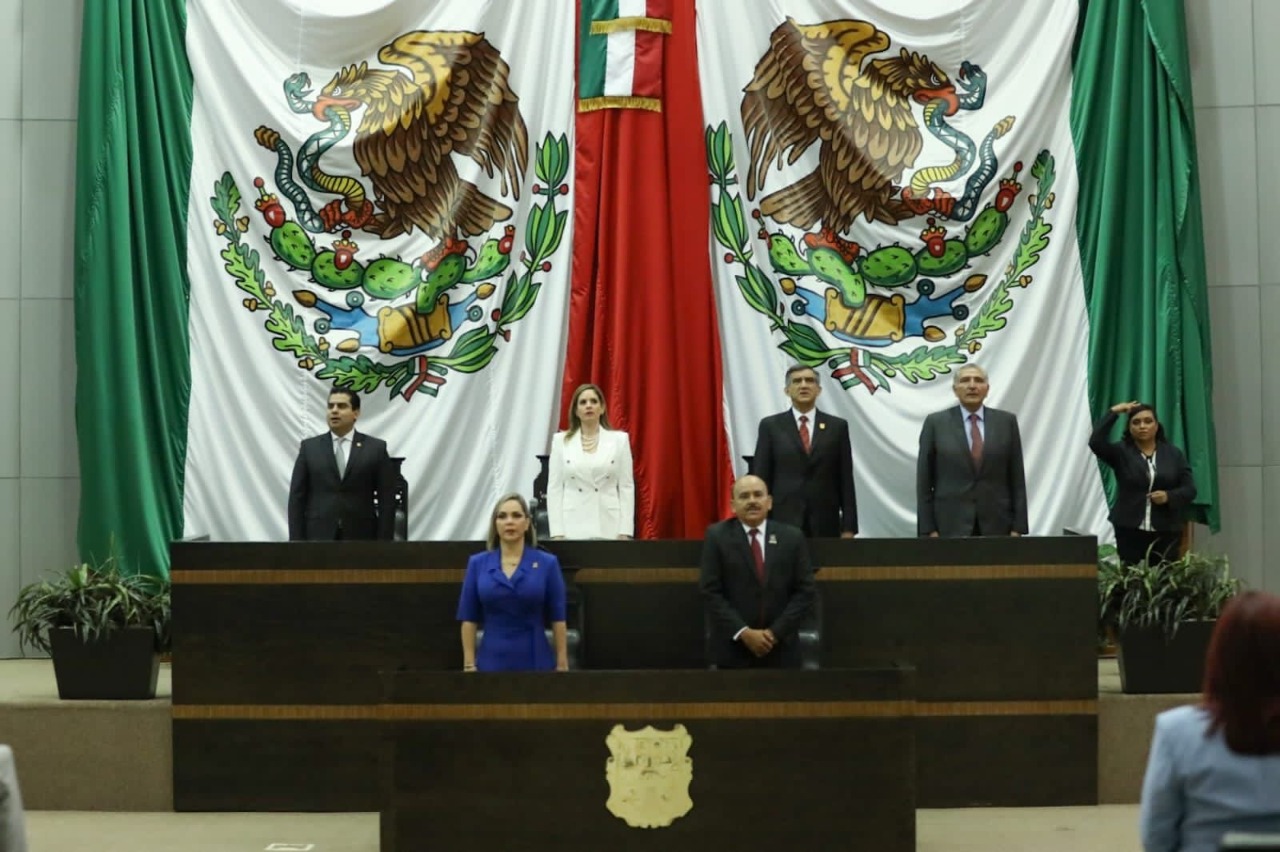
(770, 551)
(817, 435)
(743, 544)
(353, 453)
(961, 420)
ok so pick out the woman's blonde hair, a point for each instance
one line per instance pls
(530, 535)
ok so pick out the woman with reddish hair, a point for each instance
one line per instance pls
(1215, 767)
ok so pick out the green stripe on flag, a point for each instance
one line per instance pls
(593, 57)
(133, 167)
(1140, 229)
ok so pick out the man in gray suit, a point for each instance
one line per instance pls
(969, 477)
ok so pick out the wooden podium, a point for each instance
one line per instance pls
(818, 760)
(278, 650)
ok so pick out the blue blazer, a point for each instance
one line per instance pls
(1197, 789)
(515, 611)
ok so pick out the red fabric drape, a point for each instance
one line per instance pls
(642, 318)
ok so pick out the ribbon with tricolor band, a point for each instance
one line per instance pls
(620, 59)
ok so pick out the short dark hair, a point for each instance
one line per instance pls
(350, 394)
(1242, 674)
(796, 368)
(1138, 409)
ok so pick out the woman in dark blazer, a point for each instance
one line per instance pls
(1153, 484)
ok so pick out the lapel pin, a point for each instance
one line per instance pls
(534, 565)
(822, 425)
(773, 539)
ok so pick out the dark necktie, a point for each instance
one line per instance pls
(975, 440)
(757, 553)
(804, 432)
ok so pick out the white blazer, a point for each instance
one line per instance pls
(591, 495)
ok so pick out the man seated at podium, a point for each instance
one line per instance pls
(757, 583)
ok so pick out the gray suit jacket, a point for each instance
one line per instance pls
(953, 497)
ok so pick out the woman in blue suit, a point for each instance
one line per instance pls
(1215, 767)
(514, 590)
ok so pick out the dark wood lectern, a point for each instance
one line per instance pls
(786, 760)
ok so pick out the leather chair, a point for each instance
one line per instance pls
(1240, 841)
(13, 832)
(808, 635)
(400, 532)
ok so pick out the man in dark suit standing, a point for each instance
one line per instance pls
(756, 582)
(337, 477)
(969, 477)
(805, 459)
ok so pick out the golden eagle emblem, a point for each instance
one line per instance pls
(815, 85)
(456, 99)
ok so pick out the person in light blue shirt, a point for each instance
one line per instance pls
(1215, 767)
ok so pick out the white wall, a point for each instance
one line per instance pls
(39, 471)
(1234, 64)
(1238, 127)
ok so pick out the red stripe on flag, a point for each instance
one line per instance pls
(647, 80)
(642, 319)
(658, 9)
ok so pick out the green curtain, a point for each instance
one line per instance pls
(133, 161)
(1140, 228)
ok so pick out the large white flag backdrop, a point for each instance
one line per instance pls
(886, 310)
(331, 242)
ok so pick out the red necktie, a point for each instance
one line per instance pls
(804, 432)
(975, 440)
(757, 552)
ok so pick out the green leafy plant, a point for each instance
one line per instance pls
(1194, 587)
(94, 599)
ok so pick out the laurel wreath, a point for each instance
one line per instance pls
(806, 346)
(471, 351)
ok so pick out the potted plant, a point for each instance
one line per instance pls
(103, 628)
(1163, 615)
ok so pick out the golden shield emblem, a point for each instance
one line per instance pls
(649, 772)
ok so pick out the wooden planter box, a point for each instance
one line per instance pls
(1150, 663)
(121, 665)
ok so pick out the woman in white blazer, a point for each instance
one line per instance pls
(591, 492)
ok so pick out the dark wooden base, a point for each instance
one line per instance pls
(278, 649)
(830, 766)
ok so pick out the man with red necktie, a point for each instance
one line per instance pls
(804, 457)
(757, 583)
(969, 475)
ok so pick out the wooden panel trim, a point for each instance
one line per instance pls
(676, 712)
(839, 574)
(315, 577)
(551, 711)
(453, 576)
(951, 709)
(636, 575)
